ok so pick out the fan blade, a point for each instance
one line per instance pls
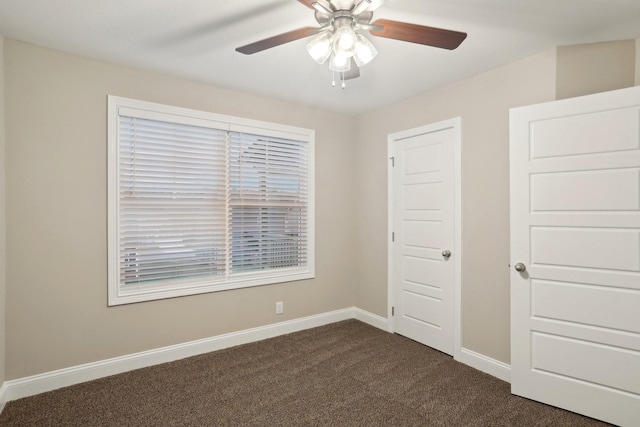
(353, 73)
(430, 36)
(308, 3)
(274, 41)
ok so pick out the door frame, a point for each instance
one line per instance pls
(456, 125)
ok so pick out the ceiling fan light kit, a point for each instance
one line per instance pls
(365, 51)
(320, 48)
(342, 44)
(339, 40)
(341, 64)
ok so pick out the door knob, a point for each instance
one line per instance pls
(446, 254)
(520, 267)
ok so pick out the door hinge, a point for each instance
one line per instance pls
(393, 311)
(393, 236)
(393, 161)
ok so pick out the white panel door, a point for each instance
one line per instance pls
(422, 198)
(575, 227)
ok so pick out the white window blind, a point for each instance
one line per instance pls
(172, 201)
(269, 191)
(196, 208)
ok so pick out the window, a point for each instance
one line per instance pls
(201, 202)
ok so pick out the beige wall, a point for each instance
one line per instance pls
(483, 102)
(3, 253)
(57, 315)
(596, 67)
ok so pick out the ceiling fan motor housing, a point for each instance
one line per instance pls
(328, 20)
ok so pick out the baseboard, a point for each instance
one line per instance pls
(3, 396)
(485, 364)
(36, 384)
(371, 319)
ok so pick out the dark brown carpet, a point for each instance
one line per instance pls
(343, 374)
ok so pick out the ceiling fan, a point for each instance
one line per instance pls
(339, 41)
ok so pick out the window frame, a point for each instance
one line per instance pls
(179, 287)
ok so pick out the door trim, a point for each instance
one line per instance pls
(456, 125)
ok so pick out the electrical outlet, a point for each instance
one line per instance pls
(279, 307)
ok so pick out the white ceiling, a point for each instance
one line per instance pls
(196, 39)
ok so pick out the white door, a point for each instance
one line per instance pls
(422, 251)
(575, 227)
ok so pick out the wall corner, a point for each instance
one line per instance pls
(637, 78)
(3, 210)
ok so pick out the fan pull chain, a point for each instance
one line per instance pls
(341, 76)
